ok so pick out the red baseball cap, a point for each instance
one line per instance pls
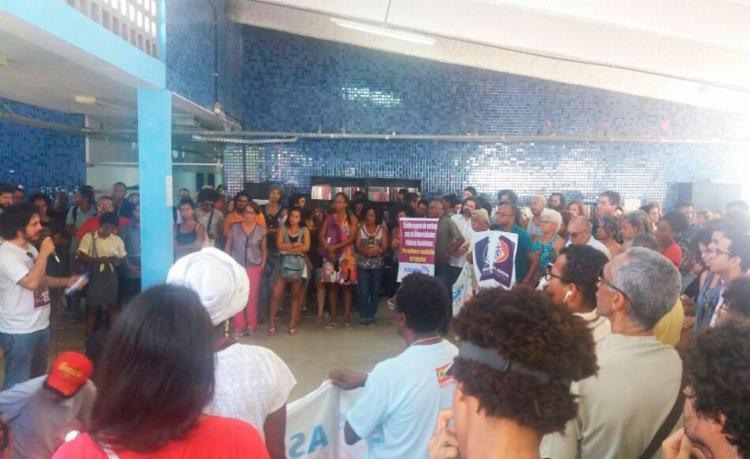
(69, 373)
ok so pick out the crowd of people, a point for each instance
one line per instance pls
(624, 336)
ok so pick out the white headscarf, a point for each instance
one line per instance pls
(221, 283)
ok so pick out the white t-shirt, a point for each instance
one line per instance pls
(22, 310)
(464, 225)
(251, 383)
(398, 408)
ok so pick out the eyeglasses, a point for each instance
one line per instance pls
(601, 280)
(548, 274)
(574, 235)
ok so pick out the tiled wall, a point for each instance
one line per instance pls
(190, 54)
(580, 170)
(35, 157)
(299, 84)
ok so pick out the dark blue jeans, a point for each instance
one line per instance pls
(448, 275)
(25, 356)
(74, 304)
(368, 292)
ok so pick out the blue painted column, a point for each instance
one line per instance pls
(155, 169)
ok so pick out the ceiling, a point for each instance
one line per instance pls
(37, 76)
(44, 71)
(689, 51)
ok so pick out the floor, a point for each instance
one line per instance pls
(314, 351)
(311, 354)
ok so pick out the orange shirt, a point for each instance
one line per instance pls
(234, 217)
(212, 437)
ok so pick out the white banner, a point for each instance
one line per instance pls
(315, 425)
(462, 289)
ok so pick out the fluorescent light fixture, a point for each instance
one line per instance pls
(88, 100)
(385, 31)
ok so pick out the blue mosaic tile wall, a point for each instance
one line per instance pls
(190, 54)
(581, 170)
(294, 83)
(35, 157)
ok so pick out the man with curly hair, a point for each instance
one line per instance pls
(398, 407)
(717, 420)
(518, 356)
(626, 411)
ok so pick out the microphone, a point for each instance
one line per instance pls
(45, 233)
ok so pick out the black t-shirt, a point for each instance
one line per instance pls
(272, 223)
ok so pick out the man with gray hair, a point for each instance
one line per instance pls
(537, 205)
(631, 405)
(579, 230)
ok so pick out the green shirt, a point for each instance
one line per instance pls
(525, 247)
(447, 234)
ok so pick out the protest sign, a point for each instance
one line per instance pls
(417, 246)
(495, 258)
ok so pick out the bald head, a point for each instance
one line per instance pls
(579, 230)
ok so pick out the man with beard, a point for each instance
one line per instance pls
(6, 196)
(24, 294)
(241, 200)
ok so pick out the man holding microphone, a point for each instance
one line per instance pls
(24, 294)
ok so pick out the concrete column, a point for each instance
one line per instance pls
(155, 169)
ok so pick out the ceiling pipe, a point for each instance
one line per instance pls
(28, 121)
(276, 137)
(288, 136)
(133, 163)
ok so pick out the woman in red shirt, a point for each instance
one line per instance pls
(157, 374)
(667, 230)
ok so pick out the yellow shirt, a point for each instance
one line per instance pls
(669, 328)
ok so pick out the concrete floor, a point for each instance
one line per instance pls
(311, 354)
(314, 351)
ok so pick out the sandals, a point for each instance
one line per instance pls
(292, 331)
(272, 331)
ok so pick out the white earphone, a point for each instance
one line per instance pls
(567, 295)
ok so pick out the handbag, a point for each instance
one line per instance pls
(333, 235)
(292, 265)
